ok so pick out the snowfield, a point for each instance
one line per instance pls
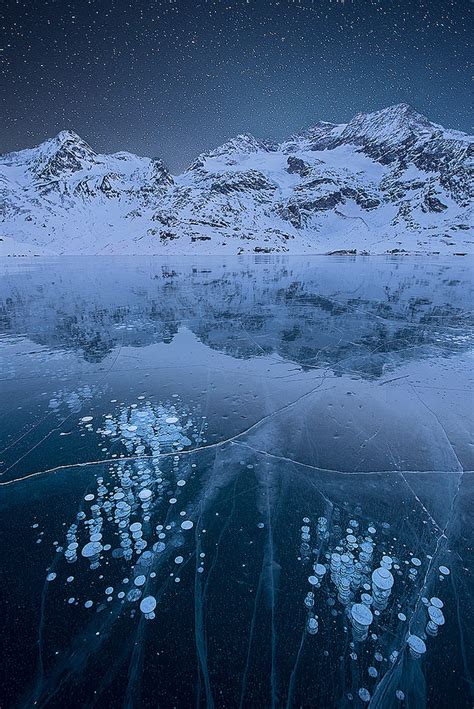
(386, 182)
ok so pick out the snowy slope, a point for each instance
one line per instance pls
(67, 198)
(389, 180)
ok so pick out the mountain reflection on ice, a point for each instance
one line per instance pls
(259, 498)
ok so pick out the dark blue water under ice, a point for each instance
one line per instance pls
(236, 482)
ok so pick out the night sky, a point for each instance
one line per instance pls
(171, 79)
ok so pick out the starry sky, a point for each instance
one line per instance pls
(172, 79)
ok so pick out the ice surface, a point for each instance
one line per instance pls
(272, 488)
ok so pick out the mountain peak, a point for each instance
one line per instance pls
(402, 112)
(64, 153)
(244, 143)
(403, 107)
(241, 144)
(392, 125)
(68, 139)
(66, 135)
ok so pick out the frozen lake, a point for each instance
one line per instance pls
(236, 482)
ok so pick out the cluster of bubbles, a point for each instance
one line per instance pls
(125, 505)
(73, 400)
(315, 579)
(360, 567)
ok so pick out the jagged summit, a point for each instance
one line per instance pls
(64, 140)
(393, 124)
(66, 136)
(242, 144)
(402, 110)
(64, 153)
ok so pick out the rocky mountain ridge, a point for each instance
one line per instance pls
(389, 181)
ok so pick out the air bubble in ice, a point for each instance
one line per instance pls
(322, 525)
(416, 645)
(319, 570)
(382, 582)
(382, 579)
(335, 562)
(187, 524)
(91, 549)
(436, 615)
(361, 618)
(148, 604)
(134, 594)
(364, 694)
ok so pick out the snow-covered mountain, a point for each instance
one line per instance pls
(386, 181)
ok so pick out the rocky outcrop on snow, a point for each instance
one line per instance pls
(389, 181)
